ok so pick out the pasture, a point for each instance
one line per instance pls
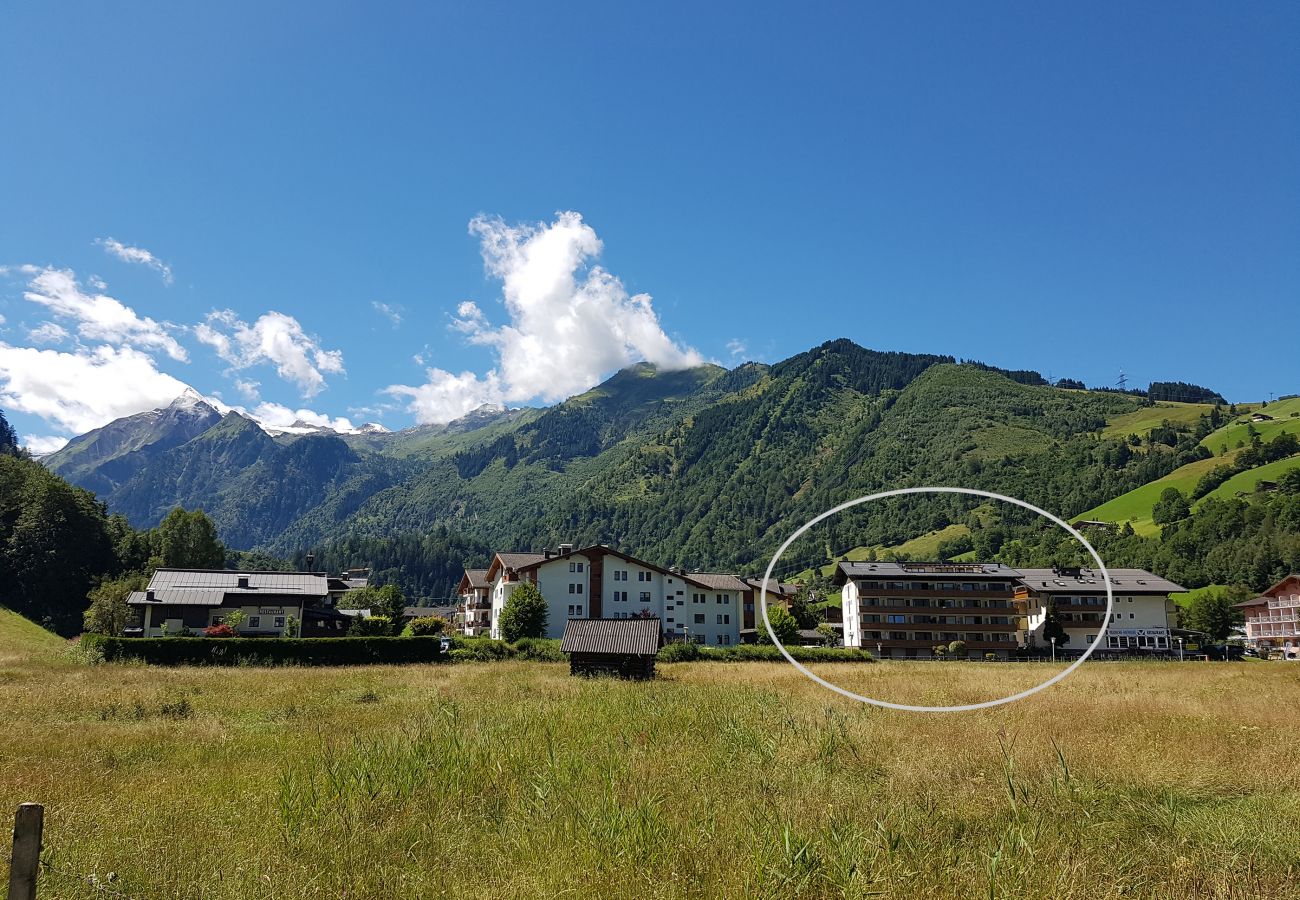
(717, 780)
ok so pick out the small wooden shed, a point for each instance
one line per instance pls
(622, 647)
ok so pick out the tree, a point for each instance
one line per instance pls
(1213, 612)
(957, 648)
(371, 626)
(426, 626)
(1052, 628)
(1171, 507)
(783, 624)
(802, 610)
(387, 600)
(525, 613)
(188, 540)
(108, 612)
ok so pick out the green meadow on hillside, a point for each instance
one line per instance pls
(1286, 419)
(21, 638)
(1135, 506)
(1245, 482)
(1141, 421)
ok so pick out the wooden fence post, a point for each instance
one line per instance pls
(26, 858)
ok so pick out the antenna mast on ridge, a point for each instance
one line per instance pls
(1122, 384)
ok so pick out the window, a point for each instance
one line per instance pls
(896, 619)
(724, 598)
(645, 596)
(699, 618)
(579, 567)
(642, 576)
(726, 639)
(573, 567)
(572, 587)
(254, 621)
(279, 621)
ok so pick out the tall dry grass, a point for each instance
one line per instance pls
(745, 780)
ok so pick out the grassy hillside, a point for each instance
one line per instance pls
(1244, 482)
(1141, 421)
(1134, 507)
(1286, 419)
(1127, 780)
(22, 639)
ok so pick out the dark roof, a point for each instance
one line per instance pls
(774, 588)
(516, 561)
(1257, 601)
(477, 578)
(1089, 581)
(177, 598)
(948, 570)
(638, 637)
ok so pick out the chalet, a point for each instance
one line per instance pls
(274, 604)
(1273, 618)
(903, 610)
(474, 592)
(622, 647)
(1141, 621)
(598, 582)
(1261, 417)
(778, 592)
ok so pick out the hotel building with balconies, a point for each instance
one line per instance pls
(1273, 618)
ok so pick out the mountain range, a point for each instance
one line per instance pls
(705, 466)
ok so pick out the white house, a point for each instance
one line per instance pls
(599, 582)
(1142, 618)
(274, 604)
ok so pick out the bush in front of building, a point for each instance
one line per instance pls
(425, 627)
(760, 653)
(680, 652)
(479, 649)
(370, 626)
(539, 650)
(345, 651)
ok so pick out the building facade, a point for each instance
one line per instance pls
(904, 610)
(599, 582)
(1273, 618)
(1142, 619)
(274, 604)
(475, 593)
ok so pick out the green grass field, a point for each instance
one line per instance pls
(22, 638)
(1135, 506)
(1141, 421)
(514, 780)
(922, 547)
(1238, 431)
(1246, 481)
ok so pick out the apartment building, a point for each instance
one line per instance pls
(903, 610)
(599, 582)
(474, 592)
(1273, 618)
(1142, 619)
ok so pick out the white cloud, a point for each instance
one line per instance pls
(82, 390)
(99, 317)
(248, 388)
(277, 416)
(274, 338)
(39, 445)
(392, 313)
(47, 333)
(571, 324)
(737, 348)
(137, 255)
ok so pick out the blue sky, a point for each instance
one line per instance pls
(1055, 186)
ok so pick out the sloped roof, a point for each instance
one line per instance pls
(177, 598)
(774, 588)
(227, 580)
(948, 571)
(477, 577)
(717, 581)
(637, 637)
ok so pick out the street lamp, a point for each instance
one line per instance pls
(1053, 640)
(879, 652)
(1180, 649)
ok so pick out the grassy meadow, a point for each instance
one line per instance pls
(717, 780)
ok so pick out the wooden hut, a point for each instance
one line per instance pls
(622, 647)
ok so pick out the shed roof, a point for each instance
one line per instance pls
(637, 637)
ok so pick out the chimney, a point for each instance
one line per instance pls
(566, 549)
(243, 582)
(546, 553)
(148, 595)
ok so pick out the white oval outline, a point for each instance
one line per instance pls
(966, 707)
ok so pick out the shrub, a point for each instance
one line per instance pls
(220, 631)
(680, 652)
(374, 626)
(479, 649)
(266, 651)
(539, 650)
(957, 648)
(424, 627)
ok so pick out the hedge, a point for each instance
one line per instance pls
(760, 653)
(340, 651)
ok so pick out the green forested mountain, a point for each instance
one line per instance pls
(704, 467)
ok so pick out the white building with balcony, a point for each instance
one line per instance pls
(1273, 618)
(1142, 619)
